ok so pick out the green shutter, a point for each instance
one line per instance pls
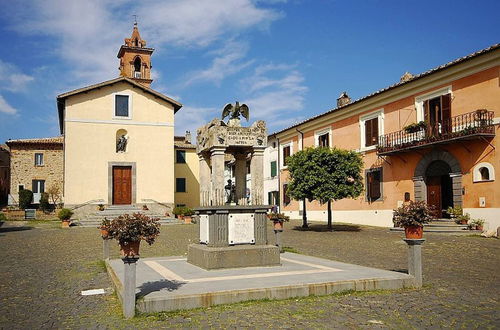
(274, 170)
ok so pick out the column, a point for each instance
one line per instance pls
(217, 161)
(129, 263)
(257, 175)
(420, 188)
(415, 259)
(204, 181)
(240, 174)
(456, 182)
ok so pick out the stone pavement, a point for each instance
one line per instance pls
(44, 270)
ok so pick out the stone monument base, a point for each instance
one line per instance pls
(207, 257)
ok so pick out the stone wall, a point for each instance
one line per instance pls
(4, 175)
(23, 169)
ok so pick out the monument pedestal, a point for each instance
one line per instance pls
(233, 236)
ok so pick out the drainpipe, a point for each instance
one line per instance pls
(304, 210)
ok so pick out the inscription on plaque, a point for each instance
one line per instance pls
(204, 228)
(241, 228)
(240, 136)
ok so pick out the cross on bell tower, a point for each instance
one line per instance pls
(135, 58)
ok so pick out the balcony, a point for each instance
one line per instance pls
(473, 125)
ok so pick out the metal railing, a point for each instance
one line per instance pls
(479, 122)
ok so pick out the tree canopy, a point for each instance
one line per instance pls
(325, 175)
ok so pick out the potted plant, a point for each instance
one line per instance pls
(454, 212)
(100, 207)
(479, 224)
(415, 127)
(188, 212)
(412, 217)
(104, 227)
(278, 219)
(463, 219)
(179, 212)
(65, 215)
(129, 230)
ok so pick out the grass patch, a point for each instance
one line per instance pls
(290, 249)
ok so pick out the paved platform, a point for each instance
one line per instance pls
(170, 283)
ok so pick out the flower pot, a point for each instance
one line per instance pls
(104, 233)
(131, 249)
(479, 228)
(180, 217)
(187, 219)
(278, 225)
(463, 222)
(414, 232)
(65, 224)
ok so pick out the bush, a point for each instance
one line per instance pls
(65, 214)
(44, 203)
(463, 218)
(183, 210)
(412, 214)
(127, 229)
(2, 217)
(25, 198)
(278, 217)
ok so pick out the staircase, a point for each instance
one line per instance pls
(113, 211)
(444, 226)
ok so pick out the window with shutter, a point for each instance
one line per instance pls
(323, 140)
(180, 156)
(371, 132)
(374, 184)
(274, 169)
(180, 185)
(286, 198)
(38, 159)
(286, 154)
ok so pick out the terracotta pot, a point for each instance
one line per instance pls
(65, 224)
(104, 233)
(278, 225)
(479, 228)
(187, 219)
(180, 217)
(463, 222)
(131, 249)
(414, 232)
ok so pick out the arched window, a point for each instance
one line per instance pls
(483, 172)
(137, 67)
(136, 42)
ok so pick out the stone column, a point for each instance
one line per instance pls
(257, 175)
(240, 174)
(129, 264)
(415, 259)
(105, 248)
(420, 188)
(456, 182)
(217, 161)
(204, 181)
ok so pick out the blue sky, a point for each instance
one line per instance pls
(288, 60)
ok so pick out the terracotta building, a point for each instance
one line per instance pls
(4, 174)
(35, 164)
(430, 137)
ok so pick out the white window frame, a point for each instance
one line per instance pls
(362, 119)
(114, 116)
(42, 160)
(323, 131)
(419, 100)
(476, 175)
(282, 159)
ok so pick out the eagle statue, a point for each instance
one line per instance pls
(234, 111)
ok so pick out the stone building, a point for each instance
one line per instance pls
(186, 170)
(429, 137)
(4, 174)
(35, 164)
(119, 138)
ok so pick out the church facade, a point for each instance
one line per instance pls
(119, 138)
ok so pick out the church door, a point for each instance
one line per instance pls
(122, 185)
(434, 195)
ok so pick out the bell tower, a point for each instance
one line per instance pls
(135, 59)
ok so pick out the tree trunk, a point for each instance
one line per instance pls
(330, 215)
(304, 215)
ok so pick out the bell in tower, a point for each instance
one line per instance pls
(135, 58)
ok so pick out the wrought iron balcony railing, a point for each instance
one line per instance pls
(462, 127)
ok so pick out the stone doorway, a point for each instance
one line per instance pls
(438, 180)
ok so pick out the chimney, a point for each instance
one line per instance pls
(406, 77)
(187, 137)
(343, 100)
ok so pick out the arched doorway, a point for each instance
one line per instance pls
(438, 180)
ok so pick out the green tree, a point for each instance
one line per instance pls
(325, 175)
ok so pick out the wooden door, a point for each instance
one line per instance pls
(434, 195)
(122, 185)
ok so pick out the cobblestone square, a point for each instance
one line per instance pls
(46, 268)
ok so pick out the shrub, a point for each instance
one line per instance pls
(463, 218)
(2, 217)
(133, 228)
(278, 217)
(412, 214)
(65, 214)
(454, 212)
(44, 203)
(188, 211)
(25, 198)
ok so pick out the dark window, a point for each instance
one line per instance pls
(286, 154)
(374, 184)
(180, 156)
(248, 168)
(286, 198)
(274, 144)
(38, 186)
(38, 159)
(20, 187)
(270, 198)
(274, 169)
(323, 140)
(180, 185)
(121, 105)
(437, 114)
(485, 174)
(371, 132)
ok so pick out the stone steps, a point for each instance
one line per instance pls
(114, 211)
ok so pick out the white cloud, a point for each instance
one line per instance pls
(88, 34)
(6, 107)
(12, 79)
(228, 61)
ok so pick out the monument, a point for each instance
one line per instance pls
(233, 230)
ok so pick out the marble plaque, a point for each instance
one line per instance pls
(241, 228)
(204, 228)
